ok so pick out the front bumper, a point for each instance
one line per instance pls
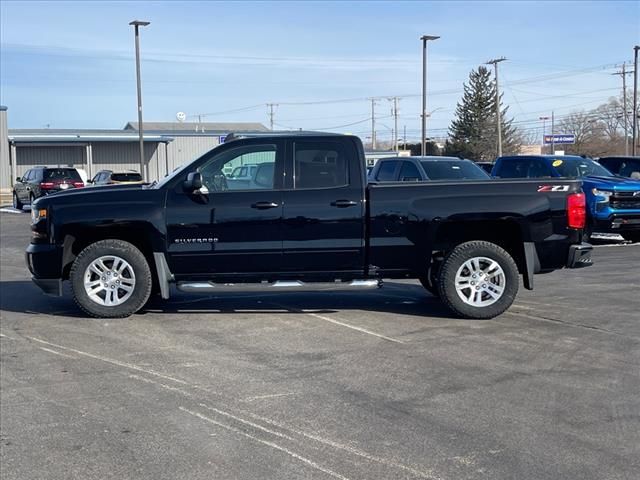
(50, 286)
(580, 256)
(618, 223)
(45, 264)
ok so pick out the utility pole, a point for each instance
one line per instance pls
(635, 101)
(373, 124)
(624, 74)
(425, 39)
(544, 125)
(495, 62)
(271, 105)
(404, 138)
(394, 112)
(553, 132)
(137, 24)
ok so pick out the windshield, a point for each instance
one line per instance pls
(577, 167)
(179, 170)
(453, 170)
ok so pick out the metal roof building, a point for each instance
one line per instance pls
(167, 146)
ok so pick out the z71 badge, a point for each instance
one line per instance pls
(553, 188)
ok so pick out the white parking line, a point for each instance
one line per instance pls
(109, 360)
(353, 327)
(263, 397)
(57, 353)
(305, 460)
(246, 422)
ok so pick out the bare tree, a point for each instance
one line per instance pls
(583, 125)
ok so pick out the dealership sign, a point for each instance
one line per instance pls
(559, 138)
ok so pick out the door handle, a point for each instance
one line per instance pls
(264, 205)
(344, 203)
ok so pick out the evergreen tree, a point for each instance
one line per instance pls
(473, 133)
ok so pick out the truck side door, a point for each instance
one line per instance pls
(324, 209)
(229, 227)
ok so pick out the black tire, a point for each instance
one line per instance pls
(455, 260)
(17, 204)
(632, 236)
(129, 253)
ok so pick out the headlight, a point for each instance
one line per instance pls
(602, 196)
(38, 214)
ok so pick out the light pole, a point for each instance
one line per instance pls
(495, 65)
(635, 101)
(425, 39)
(137, 24)
(544, 125)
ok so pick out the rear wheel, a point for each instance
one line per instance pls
(478, 279)
(17, 204)
(110, 279)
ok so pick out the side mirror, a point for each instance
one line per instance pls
(18, 179)
(193, 182)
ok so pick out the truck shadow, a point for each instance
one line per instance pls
(394, 298)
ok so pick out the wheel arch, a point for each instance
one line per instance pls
(77, 237)
(506, 233)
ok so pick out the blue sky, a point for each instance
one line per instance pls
(71, 64)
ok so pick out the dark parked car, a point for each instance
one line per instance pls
(40, 181)
(418, 169)
(486, 166)
(623, 166)
(109, 177)
(308, 221)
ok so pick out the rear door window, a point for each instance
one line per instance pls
(387, 170)
(320, 165)
(409, 172)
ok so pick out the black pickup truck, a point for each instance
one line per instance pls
(306, 219)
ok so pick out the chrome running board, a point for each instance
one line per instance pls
(279, 286)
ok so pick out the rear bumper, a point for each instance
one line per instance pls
(580, 256)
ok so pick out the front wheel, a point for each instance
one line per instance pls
(478, 279)
(110, 279)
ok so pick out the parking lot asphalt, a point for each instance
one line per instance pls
(375, 385)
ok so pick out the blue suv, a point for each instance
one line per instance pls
(613, 202)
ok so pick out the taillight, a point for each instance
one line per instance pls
(576, 211)
(78, 184)
(46, 185)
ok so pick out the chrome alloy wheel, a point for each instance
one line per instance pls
(109, 280)
(480, 282)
